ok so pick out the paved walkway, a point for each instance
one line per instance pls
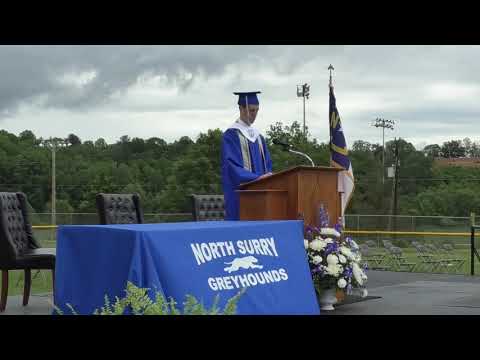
(37, 305)
(401, 294)
(417, 294)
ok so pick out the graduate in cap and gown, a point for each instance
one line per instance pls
(245, 156)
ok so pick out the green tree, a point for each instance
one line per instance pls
(74, 140)
(61, 206)
(100, 143)
(452, 149)
(27, 136)
(432, 150)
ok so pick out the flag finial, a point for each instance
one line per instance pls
(330, 68)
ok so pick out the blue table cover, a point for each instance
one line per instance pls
(198, 258)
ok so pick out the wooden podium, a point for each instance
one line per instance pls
(292, 194)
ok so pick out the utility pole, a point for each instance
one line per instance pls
(303, 91)
(54, 144)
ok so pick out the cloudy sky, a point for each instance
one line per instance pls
(432, 92)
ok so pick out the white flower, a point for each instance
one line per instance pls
(330, 232)
(305, 243)
(328, 240)
(358, 274)
(317, 259)
(341, 283)
(333, 269)
(342, 259)
(347, 252)
(317, 245)
(332, 259)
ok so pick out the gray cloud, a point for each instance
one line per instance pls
(431, 90)
(33, 72)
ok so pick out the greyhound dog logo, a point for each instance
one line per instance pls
(247, 262)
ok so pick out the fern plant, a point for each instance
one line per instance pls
(138, 302)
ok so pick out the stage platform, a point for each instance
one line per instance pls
(417, 294)
(401, 294)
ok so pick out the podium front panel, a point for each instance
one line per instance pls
(315, 189)
(263, 204)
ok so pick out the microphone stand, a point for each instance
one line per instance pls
(302, 154)
(287, 147)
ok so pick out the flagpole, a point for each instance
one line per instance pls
(330, 68)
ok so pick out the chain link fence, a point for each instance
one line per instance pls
(427, 230)
(407, 223)
(417, 224)
(48, 236)
(373, 223)
(445, 241)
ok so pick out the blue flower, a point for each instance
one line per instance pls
(317, 269)
(323, 218)
(348, 272)
(331, 247)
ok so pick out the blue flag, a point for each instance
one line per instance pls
(339, 154)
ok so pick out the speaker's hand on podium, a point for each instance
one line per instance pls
(265, 175)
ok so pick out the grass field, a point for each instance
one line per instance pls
(41, 281)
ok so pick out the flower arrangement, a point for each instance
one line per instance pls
(335, 261)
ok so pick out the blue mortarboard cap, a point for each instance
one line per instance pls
(250, 97)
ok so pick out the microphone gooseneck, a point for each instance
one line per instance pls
(287, 147)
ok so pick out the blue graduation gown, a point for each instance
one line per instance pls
(233, 172)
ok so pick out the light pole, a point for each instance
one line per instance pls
(303, 91)
(384, 124)
(54, 144)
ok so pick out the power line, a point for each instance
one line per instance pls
(172, 186)
(182, 186)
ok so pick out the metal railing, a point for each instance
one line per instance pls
(403, 229)
(362, 226)
(405, 222)
(353, 221)
(425, 229)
